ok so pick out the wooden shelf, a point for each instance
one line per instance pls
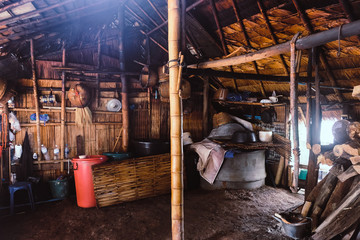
(230, 103)
(66, 124)
(43, 161)
(248, 146)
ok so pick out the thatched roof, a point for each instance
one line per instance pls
(80, 22)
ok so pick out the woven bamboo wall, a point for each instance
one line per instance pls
(131, 179)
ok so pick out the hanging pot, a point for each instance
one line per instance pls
(164, 90)
(148, 77)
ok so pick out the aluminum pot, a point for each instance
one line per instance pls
(296, 230)
(147, 147)
(244, 137)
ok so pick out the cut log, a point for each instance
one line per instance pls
(342, 218)
(347, 150)
(325, 194)
(312, 197)
(317, 148)
(341, 189)
(354, 160)
(321, 159)
(353, 130)
(349, 173)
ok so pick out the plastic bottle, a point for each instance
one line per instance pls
(45, 152)
(35, 156)
(67, 151)
(56, 152)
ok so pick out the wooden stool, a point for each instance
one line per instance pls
(21, 186)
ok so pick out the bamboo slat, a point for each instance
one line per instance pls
(131, 179)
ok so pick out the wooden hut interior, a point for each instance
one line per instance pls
(197, 119)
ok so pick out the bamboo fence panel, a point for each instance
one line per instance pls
(131, 179)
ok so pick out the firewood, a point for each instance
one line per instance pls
(312, 197)
(321, 159)
(354, 160)
(327, 158)
(341, 189)
(342, 218)
(353, 130)
(349, 173)
(317, 148)
(325, 194)
(347, 150)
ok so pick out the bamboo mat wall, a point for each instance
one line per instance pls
(131, 179)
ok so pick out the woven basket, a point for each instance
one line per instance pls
(221, 119)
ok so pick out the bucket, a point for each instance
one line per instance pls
(59, 188)
(84, 184)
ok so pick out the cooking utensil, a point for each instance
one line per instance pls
(244, 136)
(265, 136)
(300, 229)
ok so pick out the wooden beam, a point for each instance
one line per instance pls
(306, 21)
(177, 185)
(124, 87)
(36, 100)
(249, 76)
(98, 66)
(310, 41)
(248, 43)
(272, 34)
(346, 5)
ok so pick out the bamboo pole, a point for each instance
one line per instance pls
(124, 90)
(205, 106)
(36, 100)
(177, 193)
(63, 107)
(314, 40)
(294, 114)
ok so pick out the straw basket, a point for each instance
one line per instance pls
(221, 119)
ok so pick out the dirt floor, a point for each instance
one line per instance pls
(222, 214)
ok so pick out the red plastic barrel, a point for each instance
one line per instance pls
(84, 181)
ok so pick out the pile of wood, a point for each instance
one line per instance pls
(334, 204)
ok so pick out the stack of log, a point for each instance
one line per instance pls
(334, 204)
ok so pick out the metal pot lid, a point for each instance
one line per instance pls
(113, 105)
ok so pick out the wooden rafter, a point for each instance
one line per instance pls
(306, 21)
(248, 43)
(272, 34)
(32, 13)
(346, 5)
(13, 5)
(50, 17)
(221, 36)
(166, 22)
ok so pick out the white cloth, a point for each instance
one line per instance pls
(211, 158)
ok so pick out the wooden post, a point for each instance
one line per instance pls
(63, 108)
(36, 101)
(124, 90)
(294, 113)
(177, 191)
(98, 66)
(205, 106)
